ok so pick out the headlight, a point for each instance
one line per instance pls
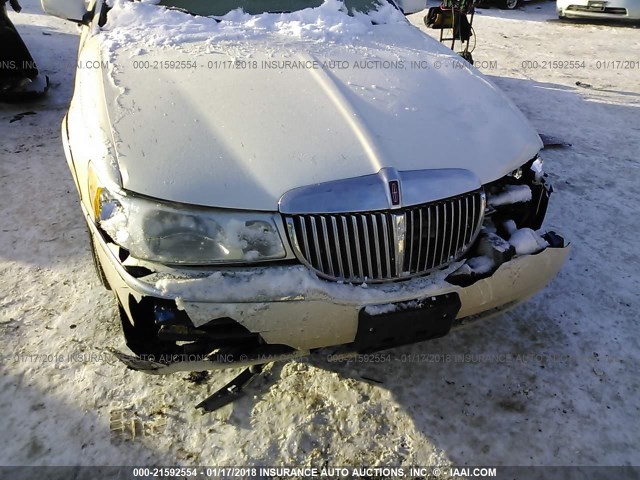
(175, 234)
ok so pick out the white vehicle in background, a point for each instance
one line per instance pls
(412, 6)
(599, 9)
(261, 184)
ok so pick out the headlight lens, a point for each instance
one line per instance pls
(174, 234)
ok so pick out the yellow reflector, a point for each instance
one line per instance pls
(94, 193)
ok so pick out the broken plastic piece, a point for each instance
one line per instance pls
(231, 391)
(135, 363)
(554, 240)
(496, 248)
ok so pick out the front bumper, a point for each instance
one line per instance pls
(614, 10)
(289, 306)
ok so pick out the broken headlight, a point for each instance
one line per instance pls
(521, 196)
(516, 207)
(182, 234)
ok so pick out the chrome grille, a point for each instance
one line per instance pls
(387, 245)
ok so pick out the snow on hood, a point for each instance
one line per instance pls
(241, 138)
(143, 22)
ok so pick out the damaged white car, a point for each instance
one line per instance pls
(261, 179)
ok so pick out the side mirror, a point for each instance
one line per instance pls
(73, 10)
(411, 6)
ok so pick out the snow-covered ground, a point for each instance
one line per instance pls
(553, 382)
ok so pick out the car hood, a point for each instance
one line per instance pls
(240, 135)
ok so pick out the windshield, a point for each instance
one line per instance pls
(218, 8)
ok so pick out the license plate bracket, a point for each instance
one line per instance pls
(407, 322)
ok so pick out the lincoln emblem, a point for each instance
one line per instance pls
(395, 192)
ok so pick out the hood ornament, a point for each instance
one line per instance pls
(394, 188)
